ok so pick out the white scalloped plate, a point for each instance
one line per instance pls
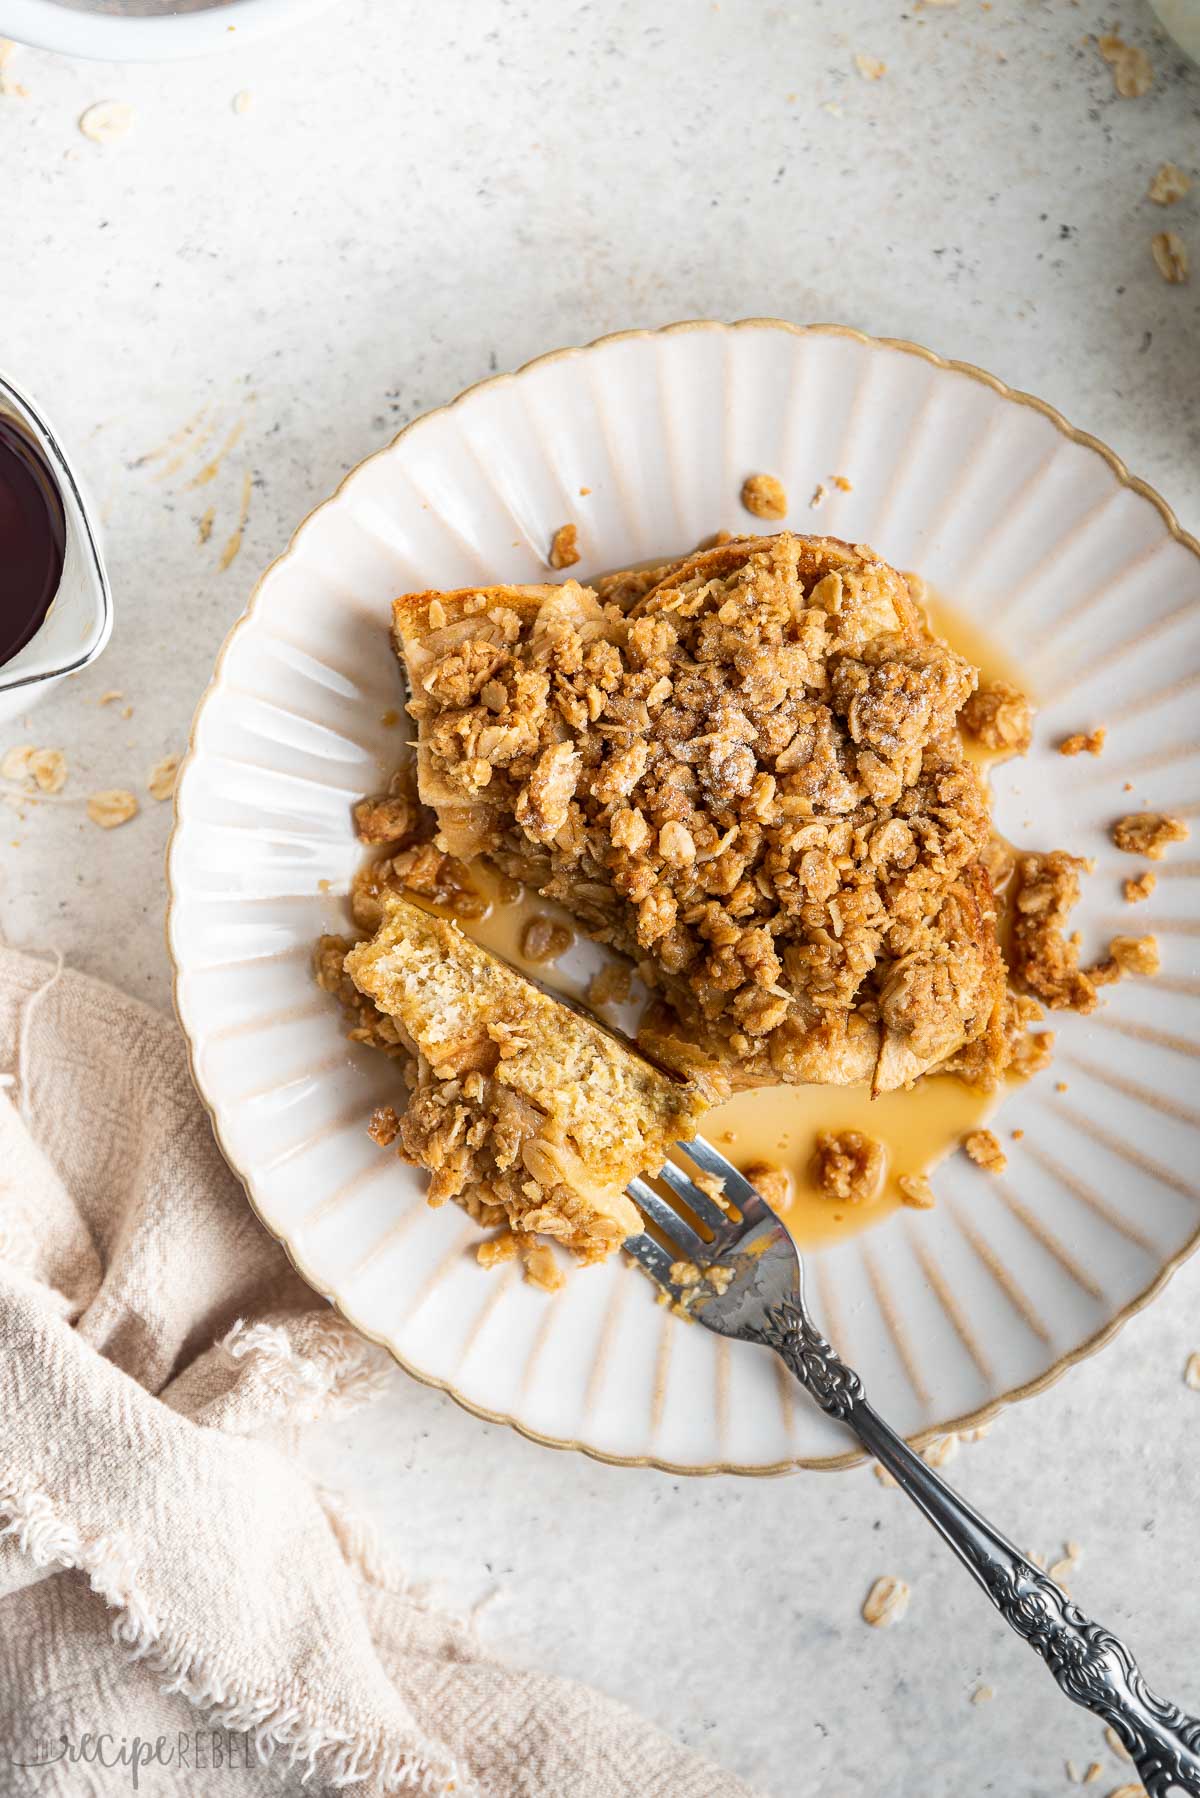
(1035, 532)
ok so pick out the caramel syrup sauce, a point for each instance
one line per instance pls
(918, 1128)
(32, 540)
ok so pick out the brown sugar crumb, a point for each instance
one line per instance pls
(1168, 185)
(999, 716)
(983, 1147)
(1148, 833)
(848, 1165)
(916, 1191)
(1127, 955)
(543, 939)
(1042, 957)
(564, 546)
(1081, 742)
(1132, 73)
(111, 807)
(497, 1249)
(871, 68)
(391, 817)
(772, 1181)
(384, 1126)
(886, 1602)
(541, 1268)
(1171, 259)
(1141, 888)
(610, 986)
(763, 495)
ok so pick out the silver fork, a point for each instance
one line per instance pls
(764, 1303)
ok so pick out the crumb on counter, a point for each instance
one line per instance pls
(1171, 259)
(160, 781)
(772, 1181)
(983, 1147)
(1084, 742)
(1141, 888)
(106, 121)
(1168, 184)
(564, 546)
(916, 1191)
(1133, 75)
(871, 68)
(1191, 1371)
(999, 716)
(848, 1165)
(1148, 833)
(765, 496)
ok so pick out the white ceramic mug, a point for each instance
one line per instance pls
(79, 621)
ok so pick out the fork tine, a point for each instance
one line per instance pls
(652, 1257)
(690, 1246)
(705, 1208)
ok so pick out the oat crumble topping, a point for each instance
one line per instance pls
(848, 1165)
(916, 1191)
(1089, 742)
(497, 1249)
(1127, 955)
(1043, 958)
(983, 1147)
(999, 716)
(772, 1181)
(1148, 833)
(742, 771)
(765, 496)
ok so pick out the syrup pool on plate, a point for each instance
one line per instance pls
(32, 540)
(918, 1128)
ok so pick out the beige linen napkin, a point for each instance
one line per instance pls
(162, 1572)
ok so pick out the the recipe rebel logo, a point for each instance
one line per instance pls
(198, 1750)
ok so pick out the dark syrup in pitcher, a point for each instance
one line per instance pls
(32, 539)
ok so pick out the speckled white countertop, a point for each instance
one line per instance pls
(412, 196)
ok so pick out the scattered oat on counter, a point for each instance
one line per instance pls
(610, 986)
(107, 121)
(1141, 888)
(112, 806)
(160, 782)
(243, 102)
(999, 716)
(871, 68)
(1092, 1774)
(916, 1191)
(204, 526)
(1084, 742)
(774, 1183)
(45, 768)
(1170, 255)
(1115, 1743)
(10, 87)
(763, 495)
(1133, 75)
(1168, 185)
(1148, 833)
(111, 696)
(14, 764)
(883, 1476)
(983, 1147)
(543, 939)
(982, 1695)
(886, 1602)
(937, 1454)
(497, 1249)
(1127, 955)
(848, 1165)
(541, 1269)
(1128, 1791)
(1191, 1372)
(564, 546)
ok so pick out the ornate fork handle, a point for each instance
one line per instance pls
(1092, 1666)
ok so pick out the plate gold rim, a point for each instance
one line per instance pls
(829, 1463)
